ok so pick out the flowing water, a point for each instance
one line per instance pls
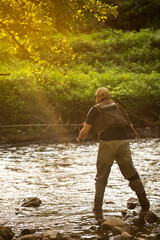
(62, 176)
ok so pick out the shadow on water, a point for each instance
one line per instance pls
(62, 176)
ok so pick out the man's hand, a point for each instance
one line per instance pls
(78, 140)
(84, 132)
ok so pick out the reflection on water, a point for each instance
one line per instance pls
(62, 176)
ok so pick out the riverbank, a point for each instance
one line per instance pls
(37, 134)
(127, 63)
(59, 134)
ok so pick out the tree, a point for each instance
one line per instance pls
(136, 14)
(32, 25)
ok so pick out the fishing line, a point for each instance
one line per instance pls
(40, 125)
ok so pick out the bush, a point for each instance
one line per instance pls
(135, 51)
(127, 63)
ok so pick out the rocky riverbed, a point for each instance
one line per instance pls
(129, 226)
(61, 177)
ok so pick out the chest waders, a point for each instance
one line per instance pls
(119, 150)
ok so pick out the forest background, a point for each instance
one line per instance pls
(55, 54)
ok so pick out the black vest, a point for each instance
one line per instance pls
(110, 117)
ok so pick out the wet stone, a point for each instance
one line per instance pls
(31, 202)
(158, 236)
(126, 236)
(140, 239)
(109, 202)
(124, 213)
(129, 214)
(28, 231)
(30, 237)
(117, 230)
(52, 235)
(145, 236)
(151, 217)
(117, 238)
(112, 222)
(132, 203)
(93, 228)
(69, 238)
(48, 235)
(6, 233)
(134, 228)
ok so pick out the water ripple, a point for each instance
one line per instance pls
(62, 176)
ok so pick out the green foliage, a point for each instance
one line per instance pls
(16, 101)
(127, 63)
(133, 51)
(73, 94)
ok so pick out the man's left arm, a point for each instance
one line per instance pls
(84, 132)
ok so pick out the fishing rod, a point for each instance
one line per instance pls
(40, 125)
(67, 125)
(130, 123)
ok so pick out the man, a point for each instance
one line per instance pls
(108, 121)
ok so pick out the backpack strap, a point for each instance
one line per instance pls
(108, 106)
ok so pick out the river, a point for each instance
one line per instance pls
(62, 176)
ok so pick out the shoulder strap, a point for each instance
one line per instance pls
(108, 106)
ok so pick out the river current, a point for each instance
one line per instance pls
(62, 176)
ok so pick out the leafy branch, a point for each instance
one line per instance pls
(15, 40)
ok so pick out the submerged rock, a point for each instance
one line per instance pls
(28, 231)
(109, 202)
(31, 202)
(132, 203)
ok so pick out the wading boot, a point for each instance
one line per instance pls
(98, 209)
(137, 186)
(144, 202)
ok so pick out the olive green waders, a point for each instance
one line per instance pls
(118, 150)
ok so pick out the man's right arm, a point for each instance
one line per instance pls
(87, 125)
(83, 134)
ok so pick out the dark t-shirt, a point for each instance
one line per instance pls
(93, 112)
(92, 115)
